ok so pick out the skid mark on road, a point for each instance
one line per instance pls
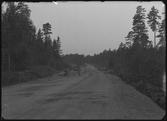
(95, 96)
(35, 88)
(32, 88)
(56, 97)
(28, 94)
(80, 81)
(66, 95)
(74, 85)
(80, 99)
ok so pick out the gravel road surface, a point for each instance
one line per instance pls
(93, 95)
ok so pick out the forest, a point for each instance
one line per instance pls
(29, 54)
(138, 61)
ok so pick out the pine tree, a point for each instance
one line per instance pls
(47, 31)
(48, 42)
(47, 28)
(153, 22)
(40, 47)
(162, 41)
(139, 28)
(18, 35)
(7, 33)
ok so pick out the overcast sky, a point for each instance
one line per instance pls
(89, 27)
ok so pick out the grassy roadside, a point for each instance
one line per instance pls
(33, 73)
(155, 93)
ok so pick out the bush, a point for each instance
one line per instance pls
(41, 71)
(11, 78)
(157, 95)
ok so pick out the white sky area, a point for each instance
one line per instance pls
(89, 27)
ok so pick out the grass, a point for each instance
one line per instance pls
(155, 93)
(33, 73)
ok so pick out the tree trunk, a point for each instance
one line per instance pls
(9, 56)
(154, 38)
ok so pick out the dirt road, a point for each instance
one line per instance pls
(93, 95)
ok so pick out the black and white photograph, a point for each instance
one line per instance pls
(88, 60)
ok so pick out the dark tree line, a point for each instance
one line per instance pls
(137, 61)
(23, 47)
(74, 59)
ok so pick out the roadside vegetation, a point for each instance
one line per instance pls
(27, 54)
(11, 78)
(137, 61)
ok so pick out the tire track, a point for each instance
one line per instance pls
(69, 95)
(76, 98)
